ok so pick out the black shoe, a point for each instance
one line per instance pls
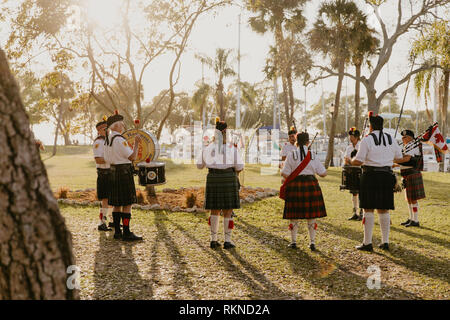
(406, 222)
(292, 245)
(118, 235)
(365, 247)
(214, 244)
(111, 224)
(312, 247)
(131, 237)
(228, 245)
(360, 217)
(103, 227)
(384, 246)
(353, 217)
(413, 224)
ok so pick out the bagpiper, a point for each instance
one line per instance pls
(350, 152)
(290, 145)
(412, 178)
(304, 198)
(376, 154)
(123, 192)
(222, 183)
(103, 171)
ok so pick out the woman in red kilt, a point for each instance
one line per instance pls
(304, 198)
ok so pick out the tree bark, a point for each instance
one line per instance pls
(35, 245)
(444, 109)
(330, 151)
(357, 95)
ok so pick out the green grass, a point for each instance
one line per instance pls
(175, 261)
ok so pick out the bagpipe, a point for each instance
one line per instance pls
(423, 137)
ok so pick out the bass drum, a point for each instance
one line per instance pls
(148, 147)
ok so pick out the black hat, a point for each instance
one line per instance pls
(292, 130)
(407, 132)
(114, 118)
(302, 138)
(376, 122)
(105, 118)
(354, 132)
(220, 125)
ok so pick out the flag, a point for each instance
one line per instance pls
(434, 137)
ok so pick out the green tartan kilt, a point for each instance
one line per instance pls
(222, 190)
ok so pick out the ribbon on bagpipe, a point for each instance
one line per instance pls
(297, 171)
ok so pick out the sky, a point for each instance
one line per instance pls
(221, 30)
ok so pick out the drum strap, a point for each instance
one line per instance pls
(381, 138)
(112, 140)
(99, 138)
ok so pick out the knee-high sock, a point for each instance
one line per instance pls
(385, 226)
(368, 223)
(293, 227)
(102, 216)
(228, 226)
(410, 208)
(126, 216)
(116, 219)
(415, 212)
(312, 227)
(355, 203)
(214, 226)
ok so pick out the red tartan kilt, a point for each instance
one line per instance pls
(414, 186)
(304, 199)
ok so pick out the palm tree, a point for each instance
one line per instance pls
(333, 35)
(435, 45)
(200, 98)
(364, 46)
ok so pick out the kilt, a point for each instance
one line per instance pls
(222, 190)
(376, 190)
(122, 191)
(103, 183)
(304, 199)
(413, 184)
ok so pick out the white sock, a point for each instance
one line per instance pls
(385, 225)
(410, 211)
(214, 226)
(102, 215)
(294, 229)
(228, 225)
(415, 212)
(312, 226)
(368, 221)
(355, 203)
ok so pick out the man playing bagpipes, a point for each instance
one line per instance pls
(412, 178)
(301, 190)
(350, 152)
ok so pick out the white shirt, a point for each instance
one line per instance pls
(210, 157)
(350, 149)
(288, 148)
(378, 156)
(119, 151)
(293, 161)
(99, 149)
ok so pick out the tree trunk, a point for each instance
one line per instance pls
(357, 96)
(330, 151)
(35, 245)
(286, 99)
(372, 101)
(67, 141)
(444, 109)
(58, 125)
(291, 99)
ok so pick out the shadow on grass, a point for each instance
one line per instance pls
(117, 278)
(428, 238)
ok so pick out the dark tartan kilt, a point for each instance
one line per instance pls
(376, 190)
(103, 183)
(123, 191)
(304, 199)
(222, 190)
(413, 184)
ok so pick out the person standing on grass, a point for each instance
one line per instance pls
(350, 152)
(412, 178)
(103, 170)
(290, 145)
(304, 198)
(122, 192)
(377, 153)
(222, 185)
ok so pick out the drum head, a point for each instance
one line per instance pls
(148, 147)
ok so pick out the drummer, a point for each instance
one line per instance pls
(122, 193)
(412, 178)
(290, 145)
(222, 187)
(350, 152)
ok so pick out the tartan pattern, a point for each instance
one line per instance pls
(414, 186)
(222, 191)
(376, 190)
(304, 199)
(123, 191)
(103, 183)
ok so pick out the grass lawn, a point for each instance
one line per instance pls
(175, 261)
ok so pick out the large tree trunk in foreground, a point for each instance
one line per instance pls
(35, 245)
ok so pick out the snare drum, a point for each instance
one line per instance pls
(151, 173)
(351, 176)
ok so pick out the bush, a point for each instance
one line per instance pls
(191, 199)
(62, 193)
